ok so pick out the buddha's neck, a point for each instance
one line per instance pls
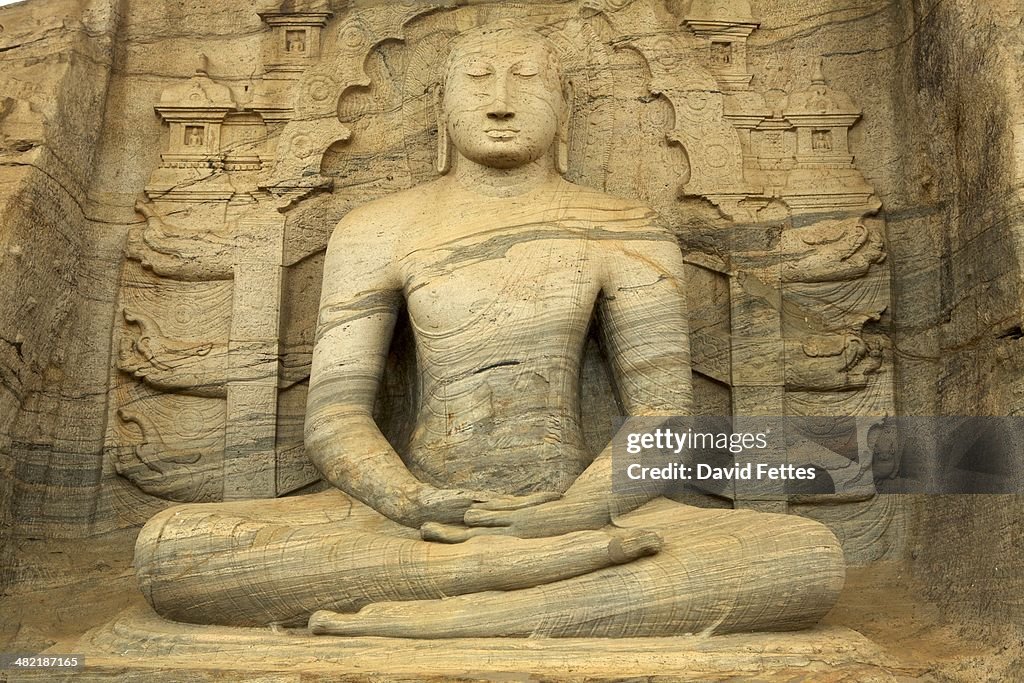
(502, 182)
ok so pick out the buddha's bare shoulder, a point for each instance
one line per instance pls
(607, 211)
(386, 217)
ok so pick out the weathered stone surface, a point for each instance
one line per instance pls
(958, 289)
(53, 86)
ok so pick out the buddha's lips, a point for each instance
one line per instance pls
(502, 133)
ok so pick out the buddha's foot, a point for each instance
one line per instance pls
(633, 544)
(446, 618)
(503, 563)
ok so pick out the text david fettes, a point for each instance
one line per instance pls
(667, 441)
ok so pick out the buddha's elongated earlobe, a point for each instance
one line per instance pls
(562, 141)
(562, 151)
(443, 162)
(443, 151)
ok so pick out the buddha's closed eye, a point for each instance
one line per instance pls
(526, 69)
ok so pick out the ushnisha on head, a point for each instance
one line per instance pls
(504, 101)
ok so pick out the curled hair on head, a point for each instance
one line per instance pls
(502, 28)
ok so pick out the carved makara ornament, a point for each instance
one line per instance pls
(831, 250)
(163, 467)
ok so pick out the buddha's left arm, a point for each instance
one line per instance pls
(642, 313)
(643, 320)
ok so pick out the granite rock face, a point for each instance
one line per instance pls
(961, 288)
(54, 84)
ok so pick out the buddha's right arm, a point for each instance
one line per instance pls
(359, 304)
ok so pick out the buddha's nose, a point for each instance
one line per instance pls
(499, 113)
(500, 109)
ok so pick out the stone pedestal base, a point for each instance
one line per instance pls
(140, 646)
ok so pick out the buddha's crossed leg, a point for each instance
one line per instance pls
(260, 562)
(719, 571)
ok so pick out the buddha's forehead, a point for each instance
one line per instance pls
(502, 46)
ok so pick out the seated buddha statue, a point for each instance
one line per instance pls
(496, 520)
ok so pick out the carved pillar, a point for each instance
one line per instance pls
(835, 287)
(228, 239)
(250, 464)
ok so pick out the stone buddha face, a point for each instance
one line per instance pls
(503, 103)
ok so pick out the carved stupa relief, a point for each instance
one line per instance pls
(790, 287)
(293, 43)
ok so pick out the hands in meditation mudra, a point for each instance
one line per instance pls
(496, 521)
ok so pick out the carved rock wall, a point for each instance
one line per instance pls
(939, 118)
(54, 71)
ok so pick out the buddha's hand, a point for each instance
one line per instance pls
(428, 504)
(546, 518)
